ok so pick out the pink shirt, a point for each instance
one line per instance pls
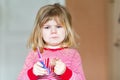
(69, 56)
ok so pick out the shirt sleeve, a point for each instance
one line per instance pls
(31, 75)
(66, 75)
(29, 62)
(76, 67)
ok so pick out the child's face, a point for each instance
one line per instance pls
(53, 34)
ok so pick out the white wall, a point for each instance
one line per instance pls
(16, 22)
(114, 38)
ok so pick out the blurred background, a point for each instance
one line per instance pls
(96, 21)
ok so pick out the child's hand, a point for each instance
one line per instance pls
(38, 70)
(60, 67)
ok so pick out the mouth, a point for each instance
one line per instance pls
(54, 37)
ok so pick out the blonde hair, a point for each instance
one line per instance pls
(45, 14)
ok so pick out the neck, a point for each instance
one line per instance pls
(52, 47)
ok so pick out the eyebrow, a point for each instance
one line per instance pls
(53, 25)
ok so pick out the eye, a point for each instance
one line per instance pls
(59, 26)
(46, 27)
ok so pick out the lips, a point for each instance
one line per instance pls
(54, 37)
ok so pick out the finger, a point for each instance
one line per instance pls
(39, 70)
(39, 67)
(58, 62)
(42, 72)
(53, 61)
(39, 64)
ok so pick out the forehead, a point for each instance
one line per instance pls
(54, 20)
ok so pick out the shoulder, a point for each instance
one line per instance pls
(72, 51)
(75, 54)
(32, 53)
(31, 58)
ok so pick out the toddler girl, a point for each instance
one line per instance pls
(53, 55)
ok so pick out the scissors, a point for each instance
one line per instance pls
(41, 61)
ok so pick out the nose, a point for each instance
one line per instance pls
(53, 30)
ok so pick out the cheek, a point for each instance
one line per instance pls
(45, 32)
(62, 34)
(44, 35)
